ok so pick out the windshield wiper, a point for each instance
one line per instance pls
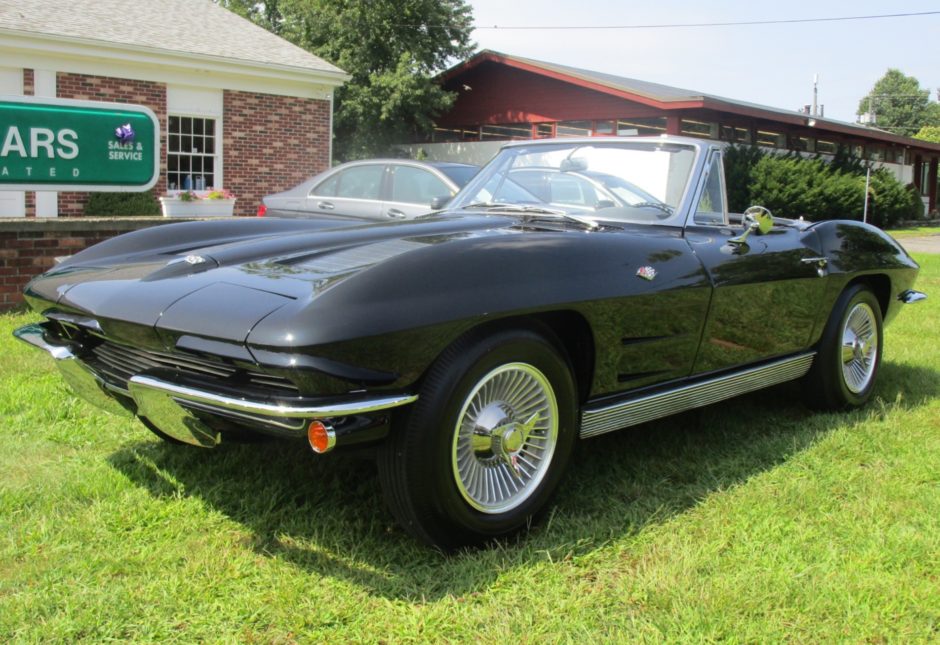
(587, 222)
(666, 208)
(514, 208)
(531, 212)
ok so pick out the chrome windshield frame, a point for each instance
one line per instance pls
(683, 210)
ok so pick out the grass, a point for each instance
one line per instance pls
(750, 521)
(915, 231)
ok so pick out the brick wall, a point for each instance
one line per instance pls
(29, 89)
(271, 143)
(29, 246)
(117, 90)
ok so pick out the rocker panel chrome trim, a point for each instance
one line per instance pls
(601, 419)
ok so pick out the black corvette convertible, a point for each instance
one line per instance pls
(572, 288)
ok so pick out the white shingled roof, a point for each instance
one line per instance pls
(193, 27)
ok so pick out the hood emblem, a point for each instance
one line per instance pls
(194, 259)
(647, 273)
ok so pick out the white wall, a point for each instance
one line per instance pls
(47, 203)
(12, 202)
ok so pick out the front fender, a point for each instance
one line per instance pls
(858, 251)
(398, 315)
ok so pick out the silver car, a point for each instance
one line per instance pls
(373, 189)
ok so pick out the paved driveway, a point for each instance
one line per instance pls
(922, 244)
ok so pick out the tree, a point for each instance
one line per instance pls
(391, 48)
(929, 133)
(899, 104)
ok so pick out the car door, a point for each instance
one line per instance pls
(766, 293)
(355, 192)
(411, 190)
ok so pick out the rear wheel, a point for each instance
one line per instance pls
(486, 443)
(844, 371)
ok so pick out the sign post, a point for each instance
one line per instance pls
(88, 146)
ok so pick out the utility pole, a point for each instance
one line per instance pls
(815, 93)
(867, 185)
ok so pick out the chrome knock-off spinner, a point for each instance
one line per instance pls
(505, 437)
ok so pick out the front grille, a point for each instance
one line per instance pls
(117, 363)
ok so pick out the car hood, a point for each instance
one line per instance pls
(222, 278)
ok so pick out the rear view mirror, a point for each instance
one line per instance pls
(761, 216)
(757, 219)
(440, 202)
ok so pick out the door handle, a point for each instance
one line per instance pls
(394, 212)
(327, 206)
(820, 264)
(820, 261)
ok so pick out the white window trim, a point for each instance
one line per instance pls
(219, 183)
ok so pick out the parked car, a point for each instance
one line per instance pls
(471, 349)
(375, 189)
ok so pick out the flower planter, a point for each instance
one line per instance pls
(173, 207)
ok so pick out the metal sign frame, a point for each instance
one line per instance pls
(90, 105)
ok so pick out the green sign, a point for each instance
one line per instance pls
(60, 144)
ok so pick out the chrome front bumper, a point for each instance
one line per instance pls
(172, 404)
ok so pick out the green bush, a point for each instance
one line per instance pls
(794, 186)
(739, 166)
(122, 204)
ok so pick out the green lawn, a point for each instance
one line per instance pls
(916, 231)
(752, 521)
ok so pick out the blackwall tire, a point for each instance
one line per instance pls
(846, 366)
(484, 447)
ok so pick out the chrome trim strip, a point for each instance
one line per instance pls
(292, 426)
(35, 336)
(82, 379)
(602, 419)
(209, 400)
(911, 296)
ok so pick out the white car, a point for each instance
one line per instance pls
(374, 189)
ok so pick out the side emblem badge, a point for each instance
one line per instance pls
(647, 273)
(195, 259)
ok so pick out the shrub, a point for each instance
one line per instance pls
(793, 186)
(739, 165)
(122, 204)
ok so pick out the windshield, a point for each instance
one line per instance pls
(620, 181)
(460, 175)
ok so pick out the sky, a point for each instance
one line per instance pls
(772, 65)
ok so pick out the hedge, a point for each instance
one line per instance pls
(794, 186)
(122, 204)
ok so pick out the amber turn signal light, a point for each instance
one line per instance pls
(321, 437)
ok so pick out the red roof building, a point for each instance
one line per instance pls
(503, 97)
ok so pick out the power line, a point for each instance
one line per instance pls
(790, 21)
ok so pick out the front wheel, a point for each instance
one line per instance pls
(486, 443)
(844, 371)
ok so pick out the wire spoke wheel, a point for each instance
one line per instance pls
(845, 369)
(859, 348)
(505, 437)
(483, 449)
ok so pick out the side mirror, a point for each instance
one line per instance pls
(440, 202)
(757, 219)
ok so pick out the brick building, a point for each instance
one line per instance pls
(239, 108)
